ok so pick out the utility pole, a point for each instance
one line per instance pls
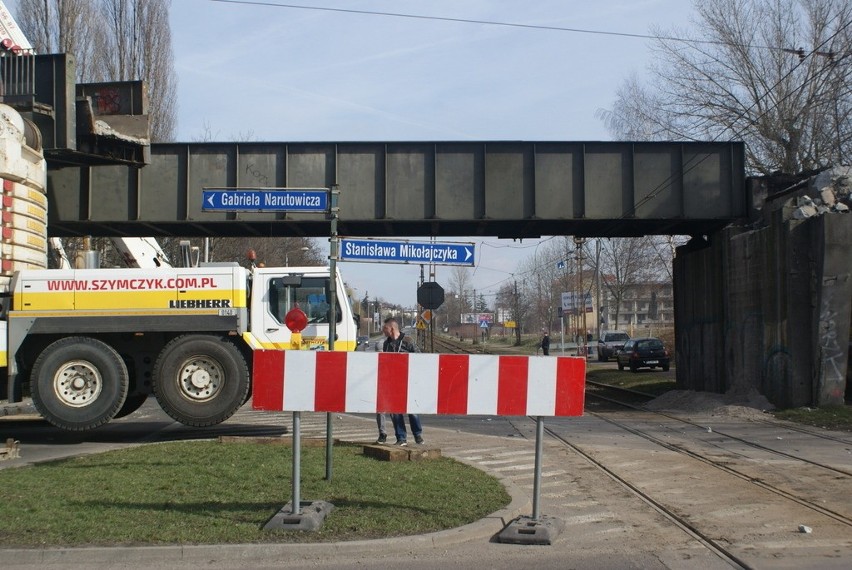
(598, 285)
(476, 323)
(581, 299)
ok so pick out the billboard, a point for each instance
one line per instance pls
(571, 302)
(477, 318)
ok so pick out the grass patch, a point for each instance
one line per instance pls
(830, 417)
(212, 493)
(650, 382)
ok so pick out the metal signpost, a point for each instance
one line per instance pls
(436, 253)
(332, 319)
(304, 200)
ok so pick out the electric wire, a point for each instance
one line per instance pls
(542, 27)
(664, 185)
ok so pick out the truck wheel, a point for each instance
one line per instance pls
(79, 383)
(200, 380)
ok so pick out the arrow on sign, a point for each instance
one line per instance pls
(439, 253)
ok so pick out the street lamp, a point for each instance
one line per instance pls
(302, 249)
(581, 303)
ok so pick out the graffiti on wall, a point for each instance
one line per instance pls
(832, 355)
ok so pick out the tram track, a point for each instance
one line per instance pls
(681, 420)
(679, 521)
(786, 485)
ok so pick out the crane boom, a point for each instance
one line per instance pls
(11, 36)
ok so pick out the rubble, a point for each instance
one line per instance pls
(828, 192)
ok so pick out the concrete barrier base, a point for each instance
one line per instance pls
(526, 530)
(311, 515)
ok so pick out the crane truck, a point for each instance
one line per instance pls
(90, 345)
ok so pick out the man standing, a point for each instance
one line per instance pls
(545, 343)
(396, 341)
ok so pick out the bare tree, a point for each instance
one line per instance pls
(625, 262)
(272, 252)
(65, 26)
(511, 296)
(139, 42)
(112, 40)
(773, 73)
(459, 281)
(545, 282)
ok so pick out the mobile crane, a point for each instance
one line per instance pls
(89, 345)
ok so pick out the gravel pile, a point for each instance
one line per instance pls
(749, 405)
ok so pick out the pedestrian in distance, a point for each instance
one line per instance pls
(545, 343)
(396, 341)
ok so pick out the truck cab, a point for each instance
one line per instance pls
(276, 291)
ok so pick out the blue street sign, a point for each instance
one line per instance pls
(406, 251)
(264, 200)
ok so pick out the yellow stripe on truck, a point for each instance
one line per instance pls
(234, 299)
(131, 289)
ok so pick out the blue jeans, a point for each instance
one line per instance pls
(399, 426)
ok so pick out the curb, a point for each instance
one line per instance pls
(484, 529)
(487, 527)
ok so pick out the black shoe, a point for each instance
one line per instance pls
(383, 439)
(402, 443)
(418, 439)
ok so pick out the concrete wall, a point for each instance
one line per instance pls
(767, 309)
(834, 310)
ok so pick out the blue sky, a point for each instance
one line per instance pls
(283, 74)
(252, 71)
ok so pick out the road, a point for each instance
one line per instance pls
(706, 487)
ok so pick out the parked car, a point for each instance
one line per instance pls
(643, 353)
(610, 343)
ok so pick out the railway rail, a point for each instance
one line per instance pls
(775, 459)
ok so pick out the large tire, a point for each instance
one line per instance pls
(200, 380)
(79, 383)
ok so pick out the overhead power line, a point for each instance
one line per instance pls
(488, 23)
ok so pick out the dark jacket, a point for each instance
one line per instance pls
(545, 344)
(401, 344)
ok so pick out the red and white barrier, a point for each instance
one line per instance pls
(361, 382)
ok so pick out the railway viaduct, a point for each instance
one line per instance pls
(762, 290)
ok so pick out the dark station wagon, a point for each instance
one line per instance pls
(643, 353)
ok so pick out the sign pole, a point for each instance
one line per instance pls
(539, 437)
(297, 460)
(332, 320)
